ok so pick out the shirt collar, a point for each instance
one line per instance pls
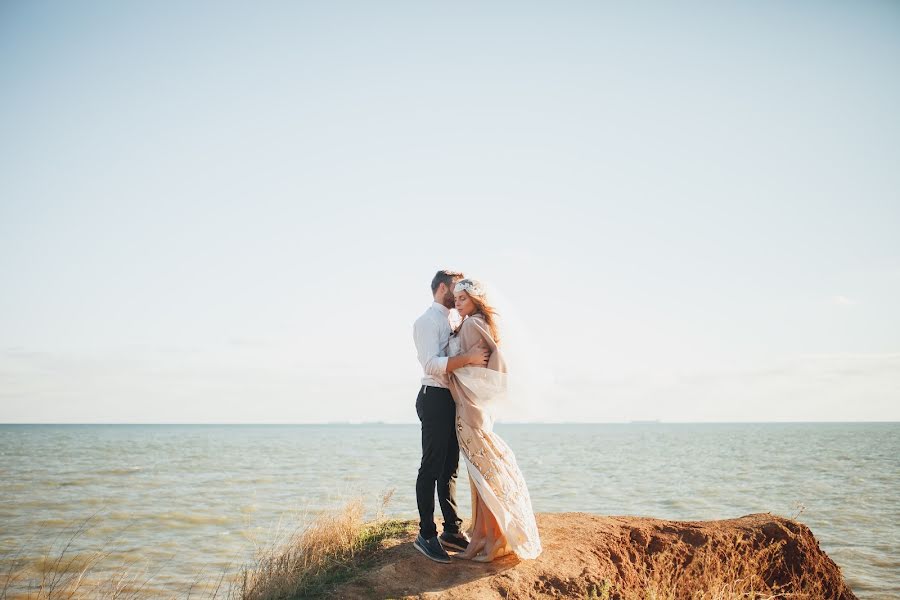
(444, 310)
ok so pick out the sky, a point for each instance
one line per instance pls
(231, 212)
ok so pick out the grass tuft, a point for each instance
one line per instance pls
(329, 551)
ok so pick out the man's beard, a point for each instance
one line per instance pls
(448, 300)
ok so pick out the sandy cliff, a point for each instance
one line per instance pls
(592, 556)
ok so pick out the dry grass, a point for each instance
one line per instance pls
(328, 550)
(65, 574)
(736, 570)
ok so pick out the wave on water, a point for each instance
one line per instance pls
(120, 471)
(188, 519)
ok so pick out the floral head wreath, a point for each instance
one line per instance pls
(472, 287)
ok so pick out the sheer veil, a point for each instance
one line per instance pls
(522, 394)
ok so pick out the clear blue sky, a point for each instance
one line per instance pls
(213, 212)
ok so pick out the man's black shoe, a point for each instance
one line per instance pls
(432, 549)
(456, 541)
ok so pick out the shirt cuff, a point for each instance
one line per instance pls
(437, 365)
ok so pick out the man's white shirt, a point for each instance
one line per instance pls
(431, 333)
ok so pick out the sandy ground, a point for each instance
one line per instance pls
(582, 550)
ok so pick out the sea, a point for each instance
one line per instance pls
(183, 507)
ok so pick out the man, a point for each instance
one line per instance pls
(437, 412)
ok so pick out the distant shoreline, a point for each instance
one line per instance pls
(502, 423)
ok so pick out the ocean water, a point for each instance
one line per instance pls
(182, 504)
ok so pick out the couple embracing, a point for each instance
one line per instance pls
(464, 380)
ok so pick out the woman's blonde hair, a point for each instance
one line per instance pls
(490, 315)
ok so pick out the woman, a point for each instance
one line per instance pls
(502, 517)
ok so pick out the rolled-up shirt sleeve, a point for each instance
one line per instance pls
(428, 347)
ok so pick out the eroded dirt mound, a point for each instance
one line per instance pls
(621, 558)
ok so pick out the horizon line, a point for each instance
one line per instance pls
(361, 423)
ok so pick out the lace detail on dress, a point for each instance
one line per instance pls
(496, 463)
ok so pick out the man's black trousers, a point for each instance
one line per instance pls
(440, 460)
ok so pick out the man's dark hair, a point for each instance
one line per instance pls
(445, 277)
